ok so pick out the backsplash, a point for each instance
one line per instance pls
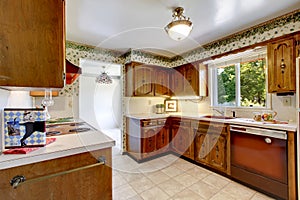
(146, 105)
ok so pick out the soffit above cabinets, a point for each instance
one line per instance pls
(139, 24)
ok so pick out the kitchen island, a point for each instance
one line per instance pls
(75, 166)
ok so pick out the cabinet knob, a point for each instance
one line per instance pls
(15, 181)
(268, 140)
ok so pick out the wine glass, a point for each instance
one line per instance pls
(47, 101)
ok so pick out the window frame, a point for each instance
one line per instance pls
(214, 85)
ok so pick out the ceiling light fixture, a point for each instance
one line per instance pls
(103, 78)
(180, 27)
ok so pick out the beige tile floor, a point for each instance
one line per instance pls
(172, 178)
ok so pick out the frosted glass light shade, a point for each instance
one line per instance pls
(179, 30)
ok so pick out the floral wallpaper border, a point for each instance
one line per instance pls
(75, 51)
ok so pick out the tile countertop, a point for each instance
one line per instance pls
(65, 145)
(237, 121)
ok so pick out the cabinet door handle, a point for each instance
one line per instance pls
(268, 140)
(15, 181)
(20, 179)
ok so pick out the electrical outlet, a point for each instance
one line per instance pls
(149, 102)
(286, 101)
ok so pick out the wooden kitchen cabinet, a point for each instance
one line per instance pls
(89, 183)
(182, 137)
(191, 83)
(143, 81)
(201, 147)
(297, 45)
(177, 82)
(162, 81)
(162, 136)
(146, 80)
(281, 66)
(32, 43)
(211, 145)
(189, 80)
(147, 137)
(218, 152)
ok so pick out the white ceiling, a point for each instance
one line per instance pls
(139, 24)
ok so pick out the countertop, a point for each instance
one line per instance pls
(65, 145)
(237, 121)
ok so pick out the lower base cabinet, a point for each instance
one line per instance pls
(207, 143)
(182, 138)
(147, 138)
(211, 145)
(88, 183)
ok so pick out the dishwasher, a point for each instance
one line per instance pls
(259, 159)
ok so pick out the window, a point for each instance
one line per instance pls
(239, 82)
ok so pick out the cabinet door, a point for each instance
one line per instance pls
(87, 183)
(177, 86)
(218, 151)
(191, 84)
(162, 82)
(32, 43)
(162, 138)
(201, 147)
(143, 85)
(182, 141)
(148, 140)
(281, 66)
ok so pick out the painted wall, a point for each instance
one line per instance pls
(100, 104)
(64, 106)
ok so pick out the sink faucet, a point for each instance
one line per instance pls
(221, 112)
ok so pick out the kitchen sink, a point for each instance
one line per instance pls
(217, 117)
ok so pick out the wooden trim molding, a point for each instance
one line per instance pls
(292, 179)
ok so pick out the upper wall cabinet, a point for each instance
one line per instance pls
(189, 80)
(297, 45)
(281, 66)
(139, 80)
(146, 80)
(162, 81)
(32, 43)
(149, 80)
(143, 77)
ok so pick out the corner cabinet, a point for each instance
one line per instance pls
(212, 145)
(32, 43)
(281, 66)
(77, 176)
(146, 138)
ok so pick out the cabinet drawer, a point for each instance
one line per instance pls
(212, 127)
(179, 122)
(161, 122)
(145, 123)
